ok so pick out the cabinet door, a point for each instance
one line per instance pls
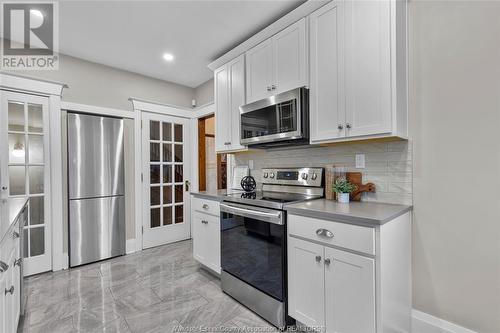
(200, 240)
(3, 298)
(306, 294)
(237, 98)
(259, 71)
(349, 292)
(213, 242)
(290, 58)
(367, 67)
(222, 130)
(326, 89)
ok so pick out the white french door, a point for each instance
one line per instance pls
(25, 170)
(165, 159)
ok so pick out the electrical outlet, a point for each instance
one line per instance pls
(360, 161)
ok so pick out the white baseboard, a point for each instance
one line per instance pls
(130, 246)
(426, 323)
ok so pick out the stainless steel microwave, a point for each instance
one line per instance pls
(278, 120)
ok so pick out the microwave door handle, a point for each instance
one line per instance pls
(270, 217)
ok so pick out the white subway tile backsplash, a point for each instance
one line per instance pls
(388, 165)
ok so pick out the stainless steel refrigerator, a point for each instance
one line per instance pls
(96, 188)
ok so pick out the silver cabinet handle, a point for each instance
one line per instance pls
(4, 188)
(204, 221)
(3, 267)
(10, 290)
(318, 258)
(327, 261)
(348, 126)
(205, 206)
(273, 87)
(340, 127)
(268, 88)
(325, 233)
(227, 143)
(18, 262)
(15, 235)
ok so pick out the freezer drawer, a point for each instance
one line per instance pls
(95, 156)
(96, 229)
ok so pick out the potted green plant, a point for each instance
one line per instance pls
(343, 188)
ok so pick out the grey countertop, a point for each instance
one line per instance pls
(214, 195)
(361, 213)
(9, 211)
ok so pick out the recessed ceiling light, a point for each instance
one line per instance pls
(168, 56)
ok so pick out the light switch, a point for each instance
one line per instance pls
(360, 161)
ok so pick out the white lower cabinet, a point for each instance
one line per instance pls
(206, 233)
(332, 285)
(306, 285)
(10, 298)
(349, 292)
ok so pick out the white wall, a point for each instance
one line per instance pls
(204, 93)
(455, 121)
(95, 84)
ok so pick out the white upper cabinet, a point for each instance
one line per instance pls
(290, 58)
(327, 106)
(259, 71)
(229, 96)
(221, 85)
(278, 64)
(358, 70)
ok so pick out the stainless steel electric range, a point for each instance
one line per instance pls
(253, 240)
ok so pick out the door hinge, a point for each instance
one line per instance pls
(142, 177)
(142, 228)
(141, 123)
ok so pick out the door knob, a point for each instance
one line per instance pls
(4, 188)
(3, 267)
(10, 290)
(18, 262)
(15, 235)
(187, 183)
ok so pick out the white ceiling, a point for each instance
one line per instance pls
(133, 35)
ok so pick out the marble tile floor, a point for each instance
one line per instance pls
(157, 290)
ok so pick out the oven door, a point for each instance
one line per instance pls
(253, 247)
(272, 119)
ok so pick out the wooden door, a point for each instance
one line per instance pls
(349, 292)
(367, 67)
(306, 294)
(166, 150)
(259, 71)
(326, 69)
(290, 58)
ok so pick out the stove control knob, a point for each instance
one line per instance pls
(271, 175)
(304, 176)
(314, 176)
(266, 175)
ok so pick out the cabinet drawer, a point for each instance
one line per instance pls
(206, 206)
(357, 238)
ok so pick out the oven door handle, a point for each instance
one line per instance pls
(275, 217)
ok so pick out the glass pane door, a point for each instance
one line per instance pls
(28, 173)
(165, 153)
